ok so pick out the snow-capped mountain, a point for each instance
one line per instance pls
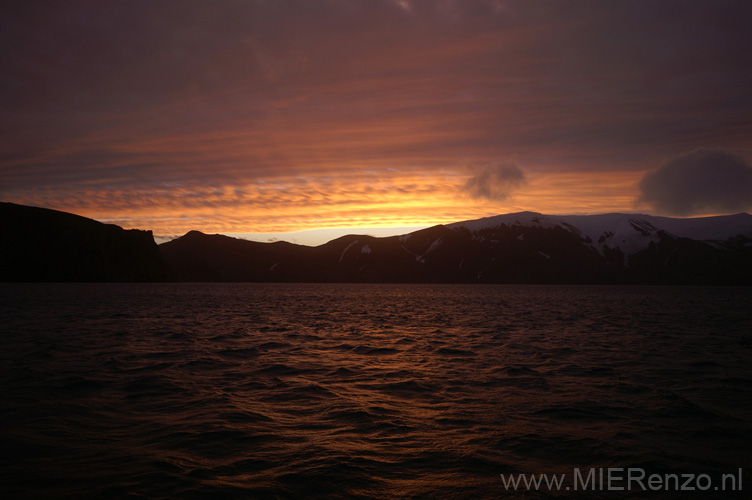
(523, 247)
(631, 233)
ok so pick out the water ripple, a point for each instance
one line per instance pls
(364, 391)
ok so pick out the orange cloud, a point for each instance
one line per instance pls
(281, 116)
(356, 199)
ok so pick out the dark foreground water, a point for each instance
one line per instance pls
(370, 391)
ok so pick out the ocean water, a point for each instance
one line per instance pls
(370, 391)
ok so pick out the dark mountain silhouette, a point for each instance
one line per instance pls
(49, 246)
(514, 248)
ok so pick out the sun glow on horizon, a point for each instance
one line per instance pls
(302, 208)
(279, 117)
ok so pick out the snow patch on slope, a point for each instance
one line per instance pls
(434, 245)
(345, 251)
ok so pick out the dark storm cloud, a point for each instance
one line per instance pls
(494, 182)
(703, 181)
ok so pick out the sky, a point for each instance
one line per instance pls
(297, 119)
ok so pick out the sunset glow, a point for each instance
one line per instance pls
(273, 117)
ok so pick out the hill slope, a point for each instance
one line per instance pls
(49, 246)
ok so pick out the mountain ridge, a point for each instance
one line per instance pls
(523, 247)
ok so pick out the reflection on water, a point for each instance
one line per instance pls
(366, 391)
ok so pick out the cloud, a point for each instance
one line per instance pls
(703, 181)
(494, 182)
(233, 93)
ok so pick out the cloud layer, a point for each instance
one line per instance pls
(150, 106)
(494, 182)
(703, 181)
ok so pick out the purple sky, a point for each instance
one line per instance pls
(273, 116)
